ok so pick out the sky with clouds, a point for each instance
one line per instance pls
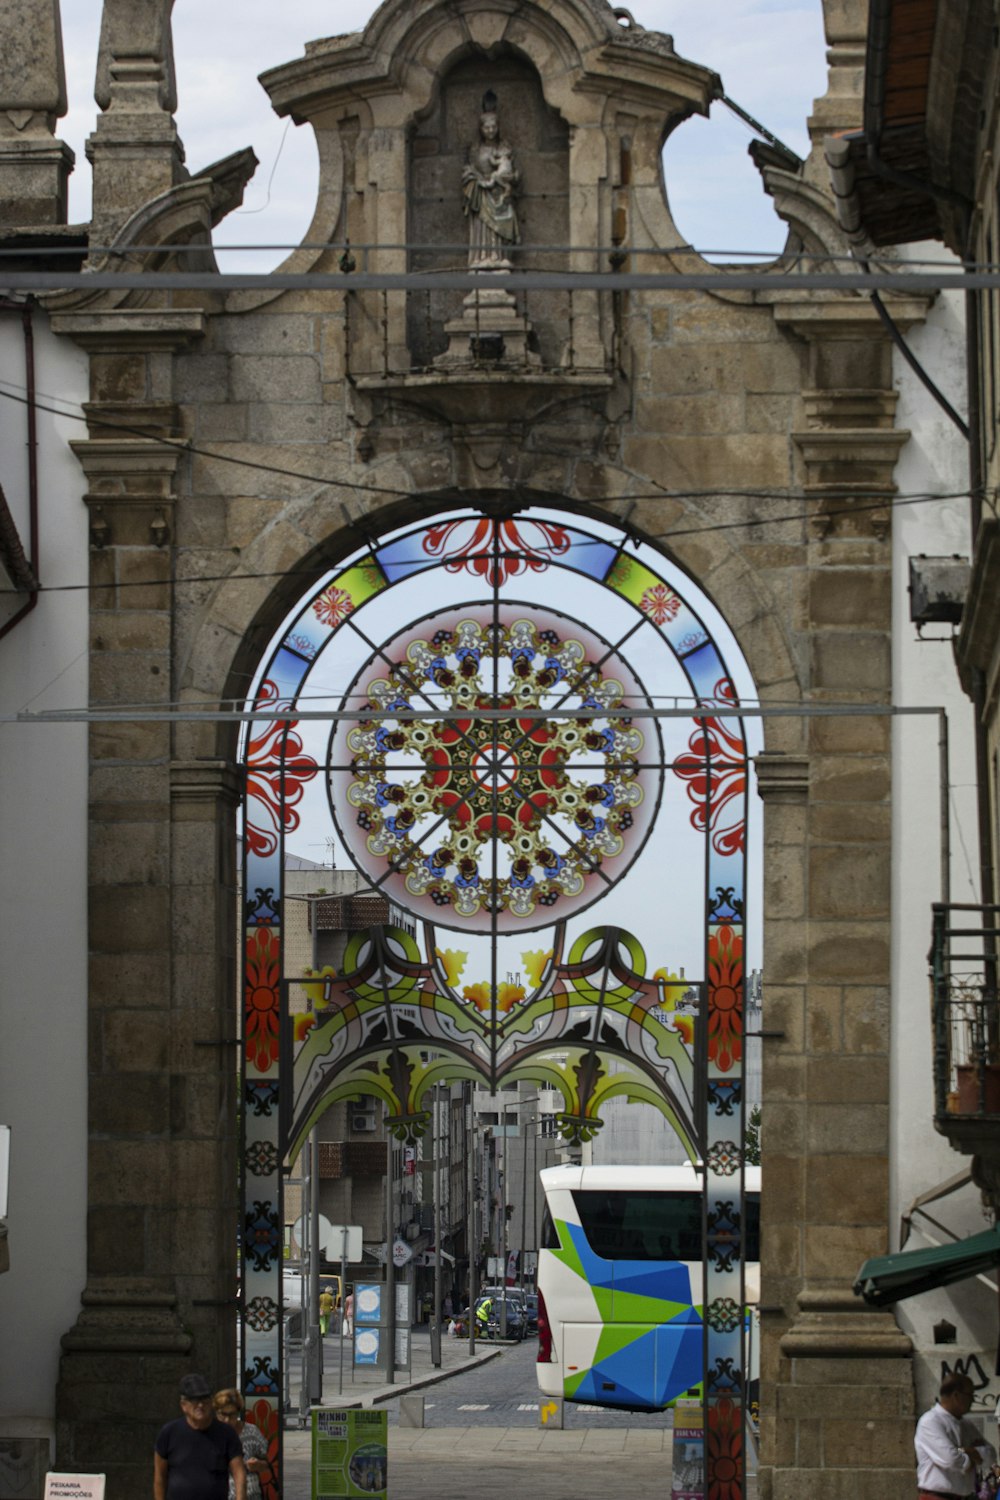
(769, 53)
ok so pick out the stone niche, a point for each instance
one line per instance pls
(438, 148)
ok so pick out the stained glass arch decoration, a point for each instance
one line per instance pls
(524, 733)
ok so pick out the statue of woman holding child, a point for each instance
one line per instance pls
(489, 182)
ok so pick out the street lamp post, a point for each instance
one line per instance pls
(470, 1232)
(436, 1325)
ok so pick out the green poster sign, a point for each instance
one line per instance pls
(349, 1453)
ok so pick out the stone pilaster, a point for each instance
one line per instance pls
(162, 1064)
(200, 1221)
(835, 1377)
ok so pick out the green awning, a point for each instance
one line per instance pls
(889, 1278)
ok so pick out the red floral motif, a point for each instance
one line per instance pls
(725, 997)
(260, 998)
(277, 771)
(725, 1452)
(469, 545)
(332, 605)
(660, 604)
(264, 1417)
(714, 768)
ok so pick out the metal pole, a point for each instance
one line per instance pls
(343, 1302)
(524, 1203)
(303, 1273)
(534, 1193)
(470, 1232)
(315, 1338)
(945, 777)
(315, 1363)
(436, 1330)
(503, 1228)
(390, 1264)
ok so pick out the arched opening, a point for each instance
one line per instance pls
(522, 734)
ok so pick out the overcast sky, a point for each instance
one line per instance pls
(770, 54)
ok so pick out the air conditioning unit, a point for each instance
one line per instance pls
(363, 1123)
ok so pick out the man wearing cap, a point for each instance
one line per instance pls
(196, 1453)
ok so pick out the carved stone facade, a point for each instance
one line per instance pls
(241, 441)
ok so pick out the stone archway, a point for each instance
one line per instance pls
(738, 435)
(506, 774)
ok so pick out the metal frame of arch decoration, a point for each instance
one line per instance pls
(497, 768)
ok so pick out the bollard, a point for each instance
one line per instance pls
(550, 1412)
(411, 1411)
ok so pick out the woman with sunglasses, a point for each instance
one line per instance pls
(231, 1408)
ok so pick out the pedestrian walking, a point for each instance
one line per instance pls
(196, 1456)
(348, 1327)
(230, 1407)
(326, 1306)
(949, 1448)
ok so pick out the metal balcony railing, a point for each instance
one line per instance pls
(966, 1020)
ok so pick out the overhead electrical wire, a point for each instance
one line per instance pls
(314, 570)
(771, 279)
(185, 446)
(769, 257)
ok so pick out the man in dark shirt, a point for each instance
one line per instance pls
(196, 1453)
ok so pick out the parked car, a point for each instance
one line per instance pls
(515, 1315)
(530, 1314)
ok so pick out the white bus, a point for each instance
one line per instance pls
(620, 1284)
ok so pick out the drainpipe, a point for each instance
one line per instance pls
(25, 309)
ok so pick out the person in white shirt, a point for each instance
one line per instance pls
(950, 1448)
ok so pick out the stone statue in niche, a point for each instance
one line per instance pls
(489, 182)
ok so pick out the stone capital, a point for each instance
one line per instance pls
(836, 1324)
(127, 1314)
(205, 781)
(782, 778)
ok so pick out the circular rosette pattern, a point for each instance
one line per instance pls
(514, 819)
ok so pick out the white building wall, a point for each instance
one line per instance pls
(43, 893)
(935, 460)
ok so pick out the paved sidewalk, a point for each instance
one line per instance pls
(481, 1462)
(492, 1463)
(366, 1386)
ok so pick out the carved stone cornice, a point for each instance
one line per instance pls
(848, 317)
(782, 778)
(854, 409)
(842, 458)
(130, 488)
(131, 329)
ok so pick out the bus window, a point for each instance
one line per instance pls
(549, 1239)
(635, 1225)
